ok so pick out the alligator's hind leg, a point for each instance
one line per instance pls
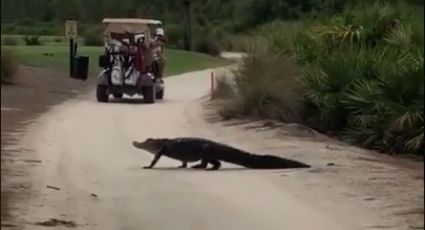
(215, 164)
(183, 166)
(202, 165)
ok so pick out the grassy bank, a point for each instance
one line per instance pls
(357, 75)
(55, 55)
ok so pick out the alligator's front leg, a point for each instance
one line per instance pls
(155, 159)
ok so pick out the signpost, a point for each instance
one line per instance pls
(78, 65)
(71, 33)
(71, 29)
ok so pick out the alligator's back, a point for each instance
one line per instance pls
(236, 156)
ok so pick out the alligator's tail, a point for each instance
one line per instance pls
(248, 160)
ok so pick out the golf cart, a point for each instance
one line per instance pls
(128, 62)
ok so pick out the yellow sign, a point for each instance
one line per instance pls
(71, 29)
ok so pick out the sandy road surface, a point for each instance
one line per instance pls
(85, 150)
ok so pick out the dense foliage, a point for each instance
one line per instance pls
(362, 75)
(222, 14)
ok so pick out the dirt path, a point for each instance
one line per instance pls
(21, 103)
(88, 173)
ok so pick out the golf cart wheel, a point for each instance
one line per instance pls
(149, 94)
(160, 95)
(118, 95)
(102, 93)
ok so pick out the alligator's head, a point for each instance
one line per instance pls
(152, 145)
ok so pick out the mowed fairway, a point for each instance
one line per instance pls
(56, 55)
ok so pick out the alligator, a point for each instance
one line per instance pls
(191, 149)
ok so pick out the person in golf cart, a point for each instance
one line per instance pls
(157, 49)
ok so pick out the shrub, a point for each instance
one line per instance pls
(266, 86)
(226, 43)
(37, 28)
(9, 41)
(26, 22)
(362, 76)
(58, 39)
(208, 46)
(92, 38)
(8, 28)
(174, 35)
(237, 43)
(9, 66)
(368, 89)
(325, 81)
(224, 88)
(32, 40)
(387, 112)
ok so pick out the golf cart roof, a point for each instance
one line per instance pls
(130, 25)
(131, 21)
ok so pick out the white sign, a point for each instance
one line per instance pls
(71, 29)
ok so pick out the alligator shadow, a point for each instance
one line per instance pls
(134, 101)
(127, 101)
(220, 170)
(193, 170)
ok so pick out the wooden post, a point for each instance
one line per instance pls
(71, 57)
(212, 84)
(71, 33)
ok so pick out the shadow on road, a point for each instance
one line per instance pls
(132, 101)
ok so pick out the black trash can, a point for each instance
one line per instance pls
(81, 67)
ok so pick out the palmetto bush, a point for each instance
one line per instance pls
(362, 75)
(387, 112)
(367, 81)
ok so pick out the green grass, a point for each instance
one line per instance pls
(46, 40)
(178, 61)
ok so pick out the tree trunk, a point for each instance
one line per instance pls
(188, 29)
